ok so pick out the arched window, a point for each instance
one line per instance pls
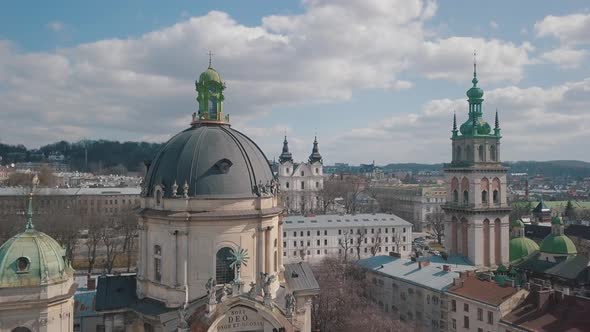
(481, 153)
(21, 329)
(458, 154)
(212, 108)
(455, 196)
(469, 153)
(484, 197)
(493, 152)
(465, 197)
(224, 274)
(158, 196)
(496, 197)
(158, 263)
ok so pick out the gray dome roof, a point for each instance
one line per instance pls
(213, 159)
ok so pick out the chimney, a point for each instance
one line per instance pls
(423, 263)
(90, 283)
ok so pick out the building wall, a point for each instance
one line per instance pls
(423, 307)
(47, 308)
(313, 244)
(411, 202)
(197, 242)
(295, 198)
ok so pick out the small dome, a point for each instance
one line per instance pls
(475, 93)
(483, 128)
(31, 259)
(214, 160)
(558, 244)
(556, 221)
(210, 75)
(521, 247)
(517, 223)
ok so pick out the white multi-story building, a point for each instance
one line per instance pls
(357, 236)
(413, 290)
(300, 183)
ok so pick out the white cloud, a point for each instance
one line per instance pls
(537, 123)
(565, 57)
(144, 87)
(55, 26)
(569, 29)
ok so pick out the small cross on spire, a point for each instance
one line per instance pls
(474, 63)
(210, 55)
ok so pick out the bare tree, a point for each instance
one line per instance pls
(436, 221)
(361, 235)
(346, 243)
(328, 194)
(94, 229)
(375, 243)
(113, 243)
(128, 227)
(343, 303)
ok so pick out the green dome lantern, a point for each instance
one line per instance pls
(557, 243)
(475, 124)
(32, 258)
(210, 96)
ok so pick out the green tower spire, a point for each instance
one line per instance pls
(475, 124)
(454, 131)
(29, 213)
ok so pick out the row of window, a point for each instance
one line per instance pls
(358, 231)
(490, 316)
(317, 171)
(317, 185)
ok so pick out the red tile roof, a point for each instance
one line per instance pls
(482, 290)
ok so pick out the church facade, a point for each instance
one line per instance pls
(301, 183)
(210, 238)
(477, 212)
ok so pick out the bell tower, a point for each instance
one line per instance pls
(476, 210)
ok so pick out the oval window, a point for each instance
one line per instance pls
(22, 264)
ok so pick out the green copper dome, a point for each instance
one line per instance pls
(483, 128)
(210, 75)
(31, 259)
(558, 244)
(517, 223)
(556, 221)
(521, 247)
(475, 92)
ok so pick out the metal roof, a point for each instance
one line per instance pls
(347, 220)
(215, 161)
(431, 276)
(300, 278)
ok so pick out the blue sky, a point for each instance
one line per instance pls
(376, 80)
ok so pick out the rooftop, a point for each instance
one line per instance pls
(347, 220)
(430, 276)
(16, 191)
(481, 290)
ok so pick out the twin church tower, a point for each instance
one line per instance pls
(477, 212)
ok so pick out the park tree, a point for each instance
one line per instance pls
(436, 221)
(570, 211)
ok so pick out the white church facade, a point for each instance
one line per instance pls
(301, 183)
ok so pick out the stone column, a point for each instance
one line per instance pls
(175, 234)
(280, 249)
(268, 250)
(259, 252)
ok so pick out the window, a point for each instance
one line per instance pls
(301, 233)
(484, 197)
(284, 234)
(294, 234)
(465, 197)
(317, 170)
(302, 173)
(287, 185)
(427, 299)
(466, 322)
(454, 323)
(490, 317)
(325, 232)
(294, 243)
(317, 184)
(318, 242)
(22, 264)
(302, 185)
(318, 233)
(158, 263)
(404, 230)
(496, 197)
(339, 232)
(287, 171)
(325, 242)
(435, 300)
(453, 305)
(318, 252)
(308, 233)
(308, 243)
(455, 196)
(480, 314)
(224, 274)
(465, 307)
(284, 244)
(479, 329)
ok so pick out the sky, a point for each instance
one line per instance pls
(373, 79)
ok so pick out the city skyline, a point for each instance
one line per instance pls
(386, 92)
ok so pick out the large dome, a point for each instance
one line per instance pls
(558, 244)
(522, 247)
(31, 259)
(214, 160)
